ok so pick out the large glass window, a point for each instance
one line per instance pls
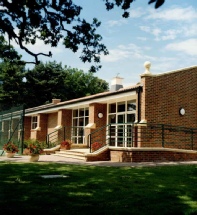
(80, 120)
(121, 117)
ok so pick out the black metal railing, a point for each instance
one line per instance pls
(65, 133)
(99, 138)
(143, 135)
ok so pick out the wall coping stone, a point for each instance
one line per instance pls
(152, 149)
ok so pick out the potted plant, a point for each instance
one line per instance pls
(34, 149)
(66, 144)
(11, 149)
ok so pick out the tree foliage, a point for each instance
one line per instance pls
(11, 85)
(53, 21)
(43, 83)
(7, 52)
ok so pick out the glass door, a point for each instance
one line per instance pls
(121, 117)
(80, 120)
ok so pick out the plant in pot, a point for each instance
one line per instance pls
(11, 149)
(66, 144)
(34, 149)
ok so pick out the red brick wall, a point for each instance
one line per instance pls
(52, 122)
(159, 155)
(27, 128)
(164, 95)
(66, 117)
(94, 109)
(104, 156)
(66, 121)
(41, 135)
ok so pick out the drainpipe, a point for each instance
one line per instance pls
(138, 91)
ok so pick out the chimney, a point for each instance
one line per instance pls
(55, 101)
(116, 84)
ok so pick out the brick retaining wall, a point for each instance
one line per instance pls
(152, 155)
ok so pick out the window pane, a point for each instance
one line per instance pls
(81, 112)
(121, 118)
(86, 112)
(130, 118)
(75, 113)
(112, 118)
(34, 122)
(86, 121)
(112, 142)
(131, 106)
(112, 108)
(81, 121)
(121, 106)
(75, 122)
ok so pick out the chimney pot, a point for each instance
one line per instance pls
(56, 101)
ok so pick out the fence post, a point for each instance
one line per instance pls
(23, 129)
(90, 143)
(64, 133)
(162, 134)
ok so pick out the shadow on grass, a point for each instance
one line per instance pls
(97, 190)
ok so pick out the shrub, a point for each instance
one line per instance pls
(33, 147)
(10, 147)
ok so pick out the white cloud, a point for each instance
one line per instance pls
(142, 38)
(145, 28)
(137, 13)
(174, 14)
(190, 30)
(41, 47)
(188, 47)
(155, 31)
(112, 23)
(122, 52)
(171, 34)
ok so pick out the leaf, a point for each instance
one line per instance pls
(159, 3)
(151, 1)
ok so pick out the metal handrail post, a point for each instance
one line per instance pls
(64, 133)
(90, 142)
(110, 134)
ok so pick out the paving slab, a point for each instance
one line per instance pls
(56, 159)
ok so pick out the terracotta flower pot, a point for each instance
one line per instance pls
(10, 154)
(34, 158)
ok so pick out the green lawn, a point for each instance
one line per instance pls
(97, 190)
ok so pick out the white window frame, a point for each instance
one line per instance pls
(34, 122)
(78, 117)
(116, 114)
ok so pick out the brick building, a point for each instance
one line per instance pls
(155, 119)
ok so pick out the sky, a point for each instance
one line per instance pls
(167, 37)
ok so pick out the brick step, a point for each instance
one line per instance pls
(68, 152)
(70, 156)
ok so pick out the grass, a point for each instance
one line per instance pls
(97, 190)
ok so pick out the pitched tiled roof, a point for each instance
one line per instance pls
(98, 95)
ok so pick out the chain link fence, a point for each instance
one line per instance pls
(12, 127)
